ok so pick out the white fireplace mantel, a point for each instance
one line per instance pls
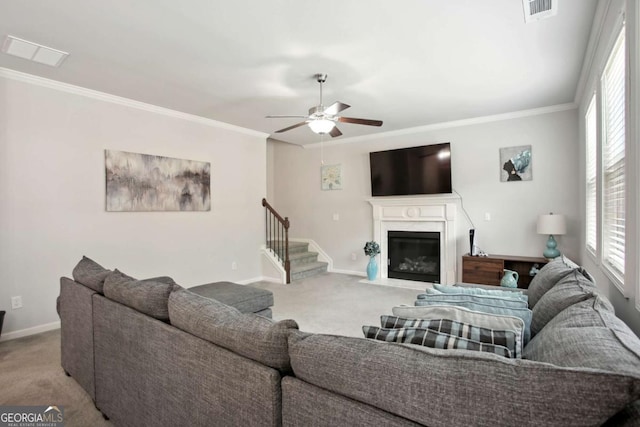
(428, 213)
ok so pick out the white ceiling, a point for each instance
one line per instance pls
(409, 63)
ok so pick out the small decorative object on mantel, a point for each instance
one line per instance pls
(371, 249)
(553, 225)
(516, 163)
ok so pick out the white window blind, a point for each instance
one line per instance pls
(591, 133)
(613, 151)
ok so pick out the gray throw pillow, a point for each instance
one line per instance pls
(149, 296)
(90, 274)
(254, 337)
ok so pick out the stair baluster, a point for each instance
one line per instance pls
(277, 236)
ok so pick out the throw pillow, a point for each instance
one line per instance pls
(149, 296)
(516, 294)
(91, 274)
(569, 290)
(478, 305)
(495, 300)
(507, 338)
(249, 335)
(433, 339)
(464, 315)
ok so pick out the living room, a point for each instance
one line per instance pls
(58, 133)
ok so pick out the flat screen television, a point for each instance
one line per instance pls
(411, 171)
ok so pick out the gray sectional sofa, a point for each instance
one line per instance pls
(207, 363)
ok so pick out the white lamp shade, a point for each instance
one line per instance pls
(552, 224)
(321, 125)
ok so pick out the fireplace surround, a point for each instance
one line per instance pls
(434, 214)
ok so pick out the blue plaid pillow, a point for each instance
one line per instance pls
(433, 339)
(507, 338)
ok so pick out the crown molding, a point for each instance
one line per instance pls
(451, 124)
(106, 97)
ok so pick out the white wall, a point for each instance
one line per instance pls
(606, 27)
(52, 192)
(513, 206)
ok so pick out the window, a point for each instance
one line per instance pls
(613, 162)
(591, 136)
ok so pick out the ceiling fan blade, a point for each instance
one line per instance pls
(367, 122)
(283, 117)
(335, 132)
(297, 125)
(335, 108)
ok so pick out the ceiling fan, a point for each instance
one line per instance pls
(323, 120)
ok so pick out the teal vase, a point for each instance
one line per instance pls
(372, 268)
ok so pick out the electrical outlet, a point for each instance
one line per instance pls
(16, 302)
(487, 216)
(234, 265)
(336, 217)
(354, 256)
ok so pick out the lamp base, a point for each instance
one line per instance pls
(551, 251)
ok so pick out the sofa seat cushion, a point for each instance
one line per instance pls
(551, 274)
(149, 296)
(91, 274)
(245, 298)
(589, 335)
(248, 335)
(456, 387)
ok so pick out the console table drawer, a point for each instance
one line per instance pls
(482, 270)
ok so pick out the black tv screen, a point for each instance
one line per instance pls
(411, 171)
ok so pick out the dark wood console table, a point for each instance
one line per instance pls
(488, 270)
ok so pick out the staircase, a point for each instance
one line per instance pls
(303, 262)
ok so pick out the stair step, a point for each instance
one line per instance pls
(294, 247)
(308, 270)
(300, 258)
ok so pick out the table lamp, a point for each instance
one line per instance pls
(552, 225)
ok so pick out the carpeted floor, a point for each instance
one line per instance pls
(30, 372)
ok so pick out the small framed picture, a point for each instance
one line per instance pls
(331, 177)
(515, 163)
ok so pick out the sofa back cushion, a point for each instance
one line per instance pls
(569, 290)
(551, 274)
(455, 387)
(149, 296)
(91, 274)
(248, 335)
(589, 335)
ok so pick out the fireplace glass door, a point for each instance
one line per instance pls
(414, 255)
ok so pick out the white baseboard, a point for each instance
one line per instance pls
(30, 331)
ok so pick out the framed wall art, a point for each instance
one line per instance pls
(515, 164)
(142, 183)
(331, 177)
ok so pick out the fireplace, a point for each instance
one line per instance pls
(428, 214)
(413, 256)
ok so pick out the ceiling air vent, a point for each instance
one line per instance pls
(535, 10)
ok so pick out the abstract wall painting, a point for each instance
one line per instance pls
(516, 164)
(144, 183)
(332, 177)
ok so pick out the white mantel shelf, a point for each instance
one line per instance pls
(436, 213)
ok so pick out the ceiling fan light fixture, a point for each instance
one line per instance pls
(321, 126)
